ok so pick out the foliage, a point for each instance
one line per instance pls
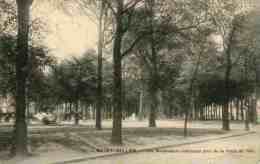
(75, 79)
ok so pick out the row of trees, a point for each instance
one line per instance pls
(170, 56)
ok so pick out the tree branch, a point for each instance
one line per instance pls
(134, 43)
(109, 5)
(131, 4)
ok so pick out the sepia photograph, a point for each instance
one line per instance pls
(129, 81)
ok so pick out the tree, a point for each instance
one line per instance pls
(164, 39)
(7, 60)
(117, 77)
(99, 10)
(100, 67)
(20, 132)
(198, 54)
(122, 12)
(73, 81)
(153, 89)
(227, 15)
(8, 16)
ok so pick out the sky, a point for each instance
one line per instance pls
(69, 35)
(66, 35)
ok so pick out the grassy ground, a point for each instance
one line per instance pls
(74, 142)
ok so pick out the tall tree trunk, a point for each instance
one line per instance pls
(231, 111)
(100, 68)
(154, 72)
(206, 113)
(237, 109)
(247, 113)
(228, 47)
(20, 132)
(241, 109)
(257, 86)
(254, 107)
(153, 107)
(225, 118)
(215, 112)
(212, 111)
(191, 95)
(186, 122)
(116, 138)
(76, 114)
(247, 98)
(70, 111)
(186, 119)
(140, 112)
